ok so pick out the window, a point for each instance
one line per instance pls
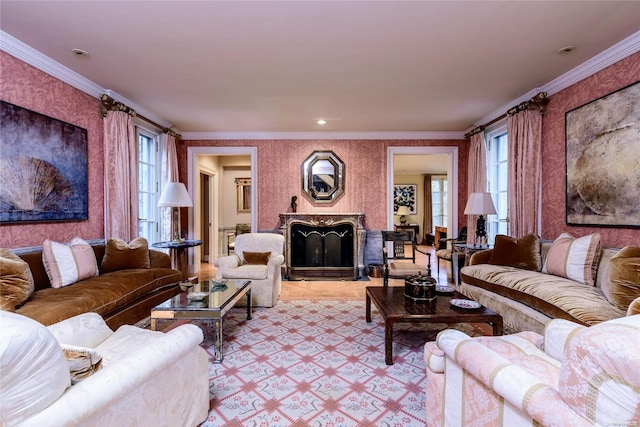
(149, 179)
(497, 177)
(439, 200)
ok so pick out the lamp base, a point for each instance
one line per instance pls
(403, 219)
(481, 232)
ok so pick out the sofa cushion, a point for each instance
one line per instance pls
(574, 258)
(256, 257)
(520, 253)
(34, 370)
(68, 264)
(120, 255)
(101, 294)
(16, 282)
(553, 296)
(246, 271)
(624, 277)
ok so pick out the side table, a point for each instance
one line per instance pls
(411, 227)
(178, 254)
(468, 251)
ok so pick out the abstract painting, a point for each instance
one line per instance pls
(405, 195)
(43, 168)
(603, 160)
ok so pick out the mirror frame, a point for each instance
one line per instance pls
(243, 194)
(307, 177)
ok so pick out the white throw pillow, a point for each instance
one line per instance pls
(34, 370)
(67, 264)
(574, 258)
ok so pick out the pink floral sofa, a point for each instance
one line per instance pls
(572, 376)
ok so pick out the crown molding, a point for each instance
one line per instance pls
(604, 59)
(29, 55)
(321, 135)
(35, 58)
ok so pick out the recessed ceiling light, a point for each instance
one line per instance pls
(80, 52)
(322, 122)
(567, 49)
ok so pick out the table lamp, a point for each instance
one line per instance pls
(175, 196)
(403, 211)
(480, 204)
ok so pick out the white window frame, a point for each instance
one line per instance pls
(443, 201)
(498, 223)
(153, 214)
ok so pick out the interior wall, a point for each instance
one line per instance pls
(418, 180)
(30, 88)
(280, 176)
(619, 75)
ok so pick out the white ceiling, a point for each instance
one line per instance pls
(277, 66)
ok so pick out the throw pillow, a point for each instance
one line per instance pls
(82, 361)
(624, 277)
(261, 258)
(120, 255)
(16, 281)
(68, 264)
(634, 307)
(521, 253)
(574, 258)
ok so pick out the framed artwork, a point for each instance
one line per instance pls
(405, 195)
(603, 160)
(43, 168)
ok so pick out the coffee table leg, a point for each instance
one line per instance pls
(217, 340)
(388, 342)
(368, 308)
(249, 304)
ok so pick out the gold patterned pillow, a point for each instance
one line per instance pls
(16, 281)
(83, 362)
(260, 258)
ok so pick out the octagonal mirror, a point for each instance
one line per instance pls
(323, 177)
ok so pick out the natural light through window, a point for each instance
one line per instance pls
(497, 177)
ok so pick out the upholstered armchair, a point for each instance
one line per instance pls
(257, 257)
(573, 376)
(79, 372)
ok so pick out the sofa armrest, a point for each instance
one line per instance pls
(557, 335)
(481, 257)
(434, 357)
(84, 330)
(516, 386)
(275, 262)
(159, 259)
(129, 390)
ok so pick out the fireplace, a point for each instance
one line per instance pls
(323, 245)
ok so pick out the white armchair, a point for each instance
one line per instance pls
(257, 257)
(147, 378)
(575, 376)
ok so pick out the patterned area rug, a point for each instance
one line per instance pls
(318, 363)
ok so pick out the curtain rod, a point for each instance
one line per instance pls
(107, 103)
(538, 102)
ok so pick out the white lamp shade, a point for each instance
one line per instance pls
(402, 210)
(174, 194)
(480, 204)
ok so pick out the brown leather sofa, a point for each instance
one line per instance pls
(120, 297)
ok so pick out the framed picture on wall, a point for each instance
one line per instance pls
(43, 168)
(405, 195)
(603, 160)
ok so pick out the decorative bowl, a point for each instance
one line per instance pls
(197, 296)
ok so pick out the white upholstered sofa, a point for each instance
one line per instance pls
(146, 378)
(257, 257)
(573, 376)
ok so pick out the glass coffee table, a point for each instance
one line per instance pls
(205, 302)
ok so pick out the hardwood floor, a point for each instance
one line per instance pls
(344, 288)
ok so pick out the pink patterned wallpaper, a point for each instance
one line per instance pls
(617, 76)
(23, 85)
(365, 161)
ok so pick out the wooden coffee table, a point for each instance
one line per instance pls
(396, 308)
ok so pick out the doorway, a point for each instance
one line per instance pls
(450, 156)
(206, 213)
